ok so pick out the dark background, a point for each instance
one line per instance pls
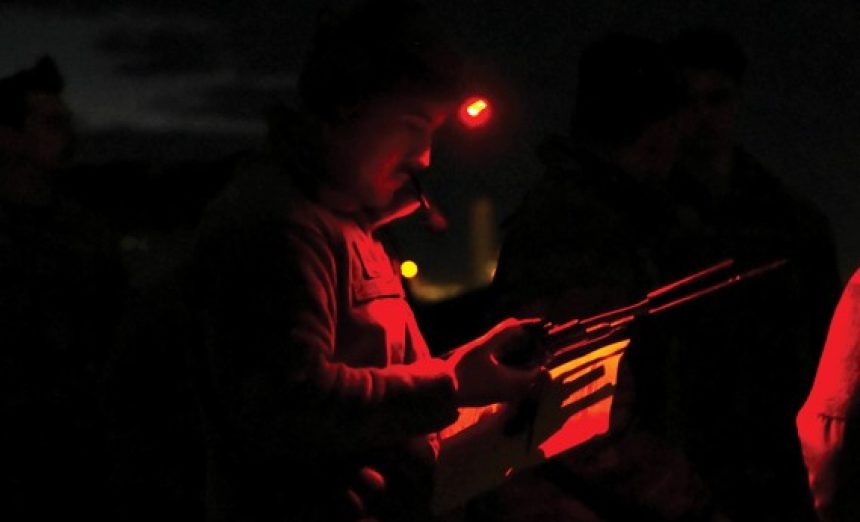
(163, 81)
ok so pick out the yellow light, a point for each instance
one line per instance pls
(476, 108)
(408, 269)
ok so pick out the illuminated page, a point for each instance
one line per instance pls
(479, 452)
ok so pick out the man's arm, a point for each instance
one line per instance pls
(821, 420)
(273, 313)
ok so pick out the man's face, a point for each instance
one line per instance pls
(373, 152)
(709, 117)
(47, 137)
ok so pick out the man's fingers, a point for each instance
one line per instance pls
(366, 491)
(512, 323)
(527, 320)
(520, 381)
(356, 506)
(372, 480)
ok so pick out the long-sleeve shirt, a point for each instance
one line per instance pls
(315, 361)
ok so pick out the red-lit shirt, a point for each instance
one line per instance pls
(822, 420)
(315, 358)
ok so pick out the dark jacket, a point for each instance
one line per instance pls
(749, 354)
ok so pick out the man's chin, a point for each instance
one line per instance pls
(393, 198)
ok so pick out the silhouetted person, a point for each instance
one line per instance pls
(61, 286)
(749, 354)
(37, 135)
(588, 239)
(827, 423)
(321, 398)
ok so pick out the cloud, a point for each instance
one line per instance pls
(241, 99)
(100, 6)
(171, 145)
(151, 37)
(163, 49)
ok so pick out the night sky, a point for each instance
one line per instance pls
(162, 80)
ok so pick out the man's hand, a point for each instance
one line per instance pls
(365, 493)
(481, 378)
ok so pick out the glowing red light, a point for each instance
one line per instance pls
(476, 108)
(475, 111)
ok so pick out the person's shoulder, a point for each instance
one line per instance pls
(753, 177)
(777, 194)
(259, 191)
(263, 201)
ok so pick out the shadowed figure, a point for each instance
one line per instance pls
(749, 356)
(62, 286)
(588, 238)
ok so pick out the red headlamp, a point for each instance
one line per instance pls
(475, 111)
